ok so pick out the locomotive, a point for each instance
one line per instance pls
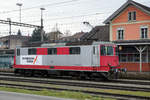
(98, 60)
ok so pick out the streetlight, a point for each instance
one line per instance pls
(9, 20)
(87, 23)
(42, 23)
(20, 5)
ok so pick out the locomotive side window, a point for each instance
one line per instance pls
(109, 50)
(52, 51)
(18, 52)
(103, 50)
(94, 50)
(32, 51)
(74, 50)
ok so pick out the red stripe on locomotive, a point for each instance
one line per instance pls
(73, 68)
(41, 51)
(63, 51)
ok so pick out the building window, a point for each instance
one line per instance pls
(132, 16)
(74, 50)
(1, 44)
(144, 32)
(120, 34)
(32, 51)
(52, 51)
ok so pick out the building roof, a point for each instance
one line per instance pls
(100, 33)
(16, 37)
(124, 6)
(78, 35)
(75, 36)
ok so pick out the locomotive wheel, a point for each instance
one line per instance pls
(15, 71)
(28, 73)
(44, 73)
(82, 76)
(19, 72)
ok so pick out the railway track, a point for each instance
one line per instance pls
(75, 83)
(117, 96)
(79, 84)
(119, 81)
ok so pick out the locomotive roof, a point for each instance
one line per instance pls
(65, 45)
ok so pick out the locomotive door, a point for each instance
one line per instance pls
(95, 57)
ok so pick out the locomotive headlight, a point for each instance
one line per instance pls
(120, 48)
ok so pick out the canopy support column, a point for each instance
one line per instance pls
(140, 49)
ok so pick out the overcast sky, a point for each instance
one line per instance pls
(66, 14)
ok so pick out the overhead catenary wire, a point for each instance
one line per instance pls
(68, 17)
(59, 18)
(34, 17)
(46, 5)
(56, 4)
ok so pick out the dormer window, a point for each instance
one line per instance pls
(132, 16)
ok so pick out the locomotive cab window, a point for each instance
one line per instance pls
(117, 50)
(107, 50)
(18, 52)
(32, 51)
(52, 51)
(110, 50)
(74, 50)
(103, 50)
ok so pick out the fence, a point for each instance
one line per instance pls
(133, 57)
(6, 61)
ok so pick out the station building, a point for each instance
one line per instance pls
(130, 29)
